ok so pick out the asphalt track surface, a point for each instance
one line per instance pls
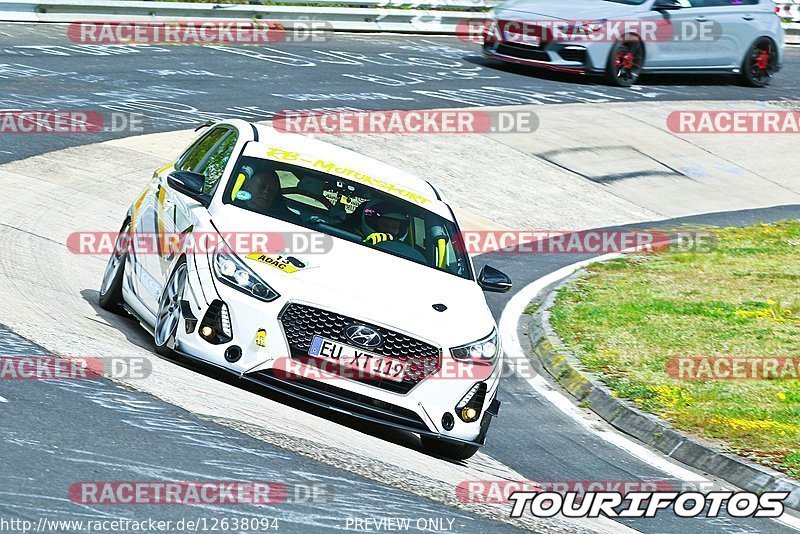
(177, 87)
(58, 433)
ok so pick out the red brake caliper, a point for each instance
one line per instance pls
(624, 60)
(762, 61)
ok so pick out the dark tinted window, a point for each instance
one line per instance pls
(723, 3)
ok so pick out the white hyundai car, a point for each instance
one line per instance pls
(309, 268)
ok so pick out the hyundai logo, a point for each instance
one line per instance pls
(363, 336)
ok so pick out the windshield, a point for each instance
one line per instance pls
(347, 210)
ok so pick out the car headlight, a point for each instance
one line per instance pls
(482, 351)
(596, 26)
(490, 24)
(586, 28)
(231, 271)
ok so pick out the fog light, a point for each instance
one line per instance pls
(469, 407)
(469, 414)
(216, 324)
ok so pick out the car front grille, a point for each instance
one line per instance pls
(573, 54)
(301, 323)
(521, 51)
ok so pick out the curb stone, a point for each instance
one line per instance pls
(567, 371)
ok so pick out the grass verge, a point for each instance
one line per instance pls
(628, 318)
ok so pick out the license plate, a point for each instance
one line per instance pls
(358, 360)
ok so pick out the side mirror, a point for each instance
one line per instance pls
(490, 279)
(190, 184)
(666, 5)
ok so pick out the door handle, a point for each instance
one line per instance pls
(701, 19)
(748, 17)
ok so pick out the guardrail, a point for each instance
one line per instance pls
(430, 16)
(413, 16)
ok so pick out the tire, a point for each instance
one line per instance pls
(168, 317)
(625, 62)
(111, 287)
(447, 449)
(760, 63)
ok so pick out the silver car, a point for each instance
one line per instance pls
(624, 38)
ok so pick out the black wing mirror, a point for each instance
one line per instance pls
(490, 279)
(190, 184)
(666, 5)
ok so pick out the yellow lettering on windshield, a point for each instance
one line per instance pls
(330, 167)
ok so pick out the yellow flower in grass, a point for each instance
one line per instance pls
(747, 425)
(669, 395)
(782, 395)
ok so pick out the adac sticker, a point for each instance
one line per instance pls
(287, 264)
(261, 337)
(243, 195)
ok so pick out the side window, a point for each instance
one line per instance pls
(214, 163)
(194, 156)
(719, 3)
(209, 155)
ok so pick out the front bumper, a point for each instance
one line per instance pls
(419, 408)
(572, 57)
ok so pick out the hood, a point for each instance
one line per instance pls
(574, 10)
(368, 284)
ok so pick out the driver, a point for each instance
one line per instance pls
(264, 186)
(260, 191)
(383, 221)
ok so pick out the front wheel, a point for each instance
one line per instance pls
(111, 287)
(760, 63)
(447, 449)
(169, 310)
(625, 63)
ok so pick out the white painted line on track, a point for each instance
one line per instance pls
(509, 320)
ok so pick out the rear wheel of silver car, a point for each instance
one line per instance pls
(625, 63)
(111, 287)
(760, 63)
(448, 449)
(169, 310)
